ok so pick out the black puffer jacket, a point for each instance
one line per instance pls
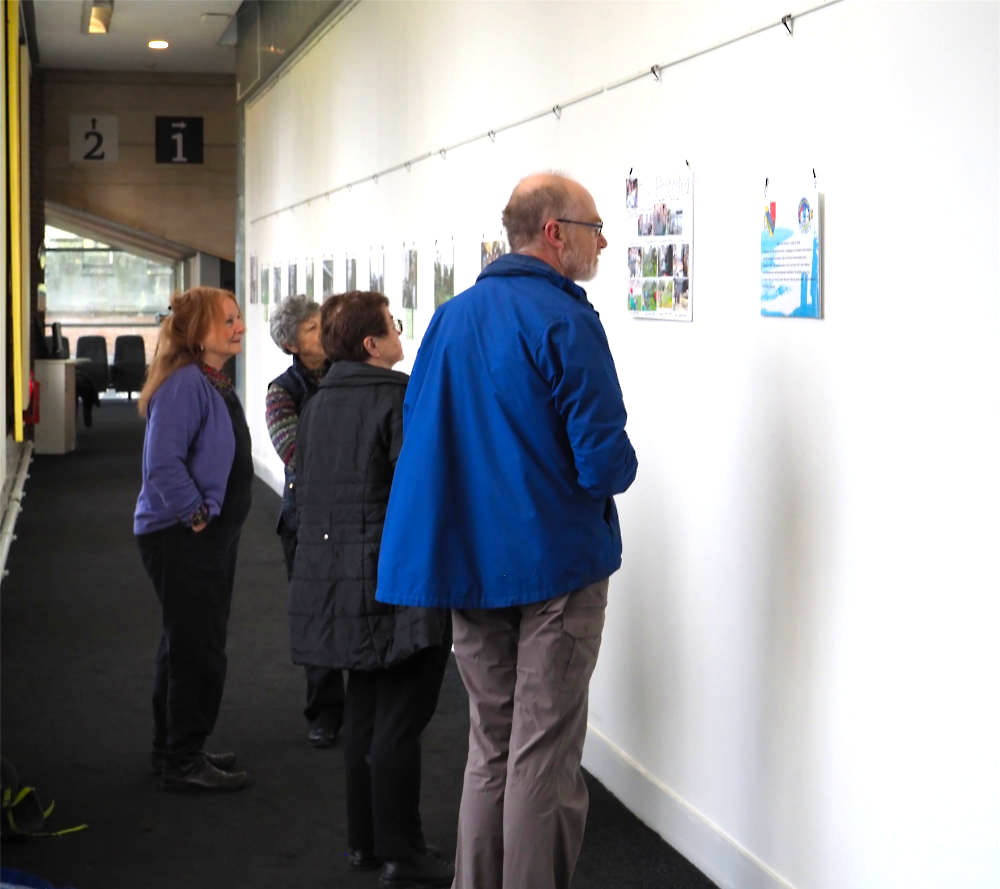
(349, 436)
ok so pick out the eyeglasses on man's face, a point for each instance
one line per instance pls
(398, 325)
(596, 226)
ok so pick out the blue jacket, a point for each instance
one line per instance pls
(187, 452)
(514, 443)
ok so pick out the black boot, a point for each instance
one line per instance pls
(200, 775)
(417, 872)
(225, 762)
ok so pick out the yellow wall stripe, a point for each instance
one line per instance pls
(12, 12)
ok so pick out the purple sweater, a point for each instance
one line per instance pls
(187, 453)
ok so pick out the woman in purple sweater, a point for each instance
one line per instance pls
(196, 485)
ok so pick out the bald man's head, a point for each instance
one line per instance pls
(534, 200)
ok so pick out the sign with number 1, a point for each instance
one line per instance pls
(179, 140)
(93, 139)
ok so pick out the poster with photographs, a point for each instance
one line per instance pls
(444, 271)
(659, 215)
(491, 250)
(293, 278)
(350, 274)
(409, 287)
(253, 281)
(376, 270)
(327, 277)
(790, 269)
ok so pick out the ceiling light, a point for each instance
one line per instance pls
(157, 44)
(97, 16)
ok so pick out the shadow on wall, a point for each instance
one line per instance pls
(787, 697)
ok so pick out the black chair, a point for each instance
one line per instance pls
(94, 348)
(128, 370)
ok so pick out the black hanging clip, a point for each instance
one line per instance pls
(655, 71)
(787, 21)
(557, 111)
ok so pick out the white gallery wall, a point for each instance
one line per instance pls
(798, 682)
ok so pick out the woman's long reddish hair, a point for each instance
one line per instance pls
(192, 314)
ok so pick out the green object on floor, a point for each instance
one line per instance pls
(24, 814)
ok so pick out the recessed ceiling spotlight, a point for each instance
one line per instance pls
(157, 44)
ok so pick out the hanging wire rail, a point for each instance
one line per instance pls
(654, 71)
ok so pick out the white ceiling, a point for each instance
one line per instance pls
(193, 36)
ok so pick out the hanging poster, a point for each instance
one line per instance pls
(790, 251)
(444, 271)
(253, 280)
(350, 274)
(310, 277)
(293, 278)
(376, 270)
(265, 289)
(327, 277)
(491, 250)
(659, 208)
(409, 287)
(276, 290)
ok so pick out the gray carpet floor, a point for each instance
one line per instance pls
(79, 628)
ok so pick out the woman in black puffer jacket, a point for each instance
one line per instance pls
(349, 437)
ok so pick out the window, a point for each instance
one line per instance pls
(94, 288)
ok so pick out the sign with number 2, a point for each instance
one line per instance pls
(93, 138)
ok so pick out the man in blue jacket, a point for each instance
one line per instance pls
(501, 510)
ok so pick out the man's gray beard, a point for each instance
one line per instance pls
(577, 269)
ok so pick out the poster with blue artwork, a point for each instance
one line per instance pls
(790, 253)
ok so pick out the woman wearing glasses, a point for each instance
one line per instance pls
(348, 441)
(295, 329)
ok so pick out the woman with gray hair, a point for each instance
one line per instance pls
(295, 329)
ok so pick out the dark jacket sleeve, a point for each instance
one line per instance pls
(574, 356)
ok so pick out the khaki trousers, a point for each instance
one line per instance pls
(524, 801)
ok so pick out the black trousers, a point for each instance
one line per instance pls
(324, 685)
(386, 712)
(193, 576)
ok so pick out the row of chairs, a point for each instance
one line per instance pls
(125, 374)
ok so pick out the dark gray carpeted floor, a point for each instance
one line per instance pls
(79, 628)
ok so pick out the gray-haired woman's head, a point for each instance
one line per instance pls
(287, 317)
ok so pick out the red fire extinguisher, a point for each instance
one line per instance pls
(31, 412)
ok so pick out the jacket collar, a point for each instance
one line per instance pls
(354, 373)
(519, 264)
(306, 374)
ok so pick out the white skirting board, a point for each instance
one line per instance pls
(19, 457)
(709, 848)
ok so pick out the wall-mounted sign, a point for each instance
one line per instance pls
(180, 140)
(93, 139)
